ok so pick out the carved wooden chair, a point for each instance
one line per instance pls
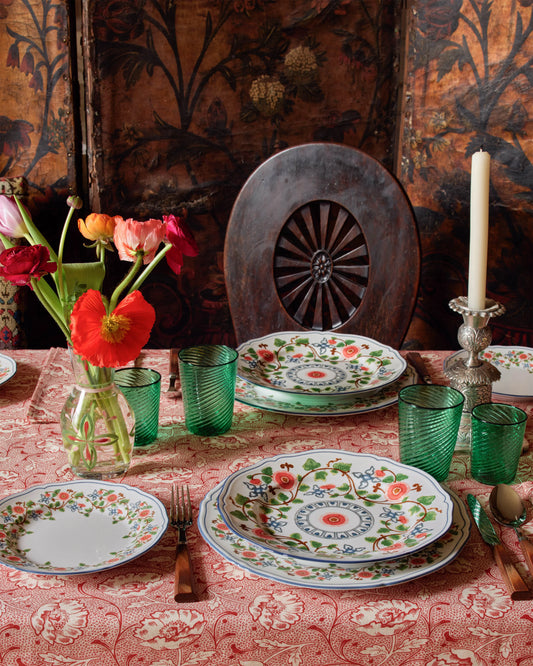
(322, 237)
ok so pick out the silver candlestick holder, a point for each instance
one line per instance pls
(469, 374)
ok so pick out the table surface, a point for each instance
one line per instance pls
(127, 616)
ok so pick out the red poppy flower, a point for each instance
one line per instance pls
(110, 340)
(22, 263)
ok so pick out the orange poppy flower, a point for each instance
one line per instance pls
(110, 340)
(97, 227)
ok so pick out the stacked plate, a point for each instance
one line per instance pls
(333, 519)
(319, 373)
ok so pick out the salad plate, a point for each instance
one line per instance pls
(325, 405)
(331, 505)
(78, 527)
(331, 575)
(515, 364)
(8, 368)
(312, 363)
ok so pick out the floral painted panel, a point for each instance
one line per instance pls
(189, 98)
(469, 85)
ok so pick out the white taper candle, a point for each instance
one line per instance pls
(479, 230)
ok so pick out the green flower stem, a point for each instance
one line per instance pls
(34, 236)
(125, 282)
(108, 405)
(60, 277)
(142, 277)
(7, 242)
(50, 302)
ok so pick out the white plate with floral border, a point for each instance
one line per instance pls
(311, 363)
(329, 505)
(8, 368)
(331, 575)
(78, 527)
(320, 405)
(515, 364)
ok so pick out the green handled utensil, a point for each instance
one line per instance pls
(512, 578)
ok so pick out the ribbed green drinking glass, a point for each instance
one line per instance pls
(208, 375)
(429, 419)
(497, 437)
(142, 389)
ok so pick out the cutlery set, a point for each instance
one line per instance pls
(508, 510)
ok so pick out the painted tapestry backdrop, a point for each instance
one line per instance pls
(469, 85)
(185, 99)
(192, 96)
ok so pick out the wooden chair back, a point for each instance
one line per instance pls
(322, 237)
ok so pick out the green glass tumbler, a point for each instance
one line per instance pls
(497, 438)
(208, 374)
(142, 389)
(429, 419)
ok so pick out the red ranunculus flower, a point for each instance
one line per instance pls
(110, 340)
(21, 263)
(182, 240)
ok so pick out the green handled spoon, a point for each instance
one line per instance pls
(508, 509)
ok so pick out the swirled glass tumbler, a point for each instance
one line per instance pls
(497, 437)
(429, 417)
(142, 388)
(208, 374)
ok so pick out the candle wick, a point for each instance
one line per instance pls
(481, 148)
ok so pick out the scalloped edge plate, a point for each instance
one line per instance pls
(319, 363)
(78, 527)
(8, 368)
(330, 505)
(515, 363)
(331, 576)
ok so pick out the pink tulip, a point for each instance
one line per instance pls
(132, 237)
(11, 222)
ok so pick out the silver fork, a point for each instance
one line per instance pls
(181, 519)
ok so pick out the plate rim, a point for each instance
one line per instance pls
(373, 389)
(464, 533)
(225, 483)
(87, 482)
(11, 362)
(511, 396)
(409, 373)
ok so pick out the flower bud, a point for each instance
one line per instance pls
(11, 221)
(74, 201)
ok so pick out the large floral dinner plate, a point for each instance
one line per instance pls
(515, 364)
(321, 405)
(331, 575)
(313, 362)
(331, 505)
(78, 527)
(8, 368)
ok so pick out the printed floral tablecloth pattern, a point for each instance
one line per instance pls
(461, 615)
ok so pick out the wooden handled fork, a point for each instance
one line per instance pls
(181, 519)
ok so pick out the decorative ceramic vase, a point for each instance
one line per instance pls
(97, 424)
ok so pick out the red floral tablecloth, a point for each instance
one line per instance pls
(461, 614)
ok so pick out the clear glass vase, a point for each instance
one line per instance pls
(97, 424)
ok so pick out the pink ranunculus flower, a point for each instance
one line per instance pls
(182, 240)
(385, 618)
(11, 222)
(131, 237)
(486, 600)
(21, 263)
(276, 610)
(171, 629)
(60, 621)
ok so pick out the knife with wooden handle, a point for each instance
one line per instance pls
(510, 574)
(419, 365)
